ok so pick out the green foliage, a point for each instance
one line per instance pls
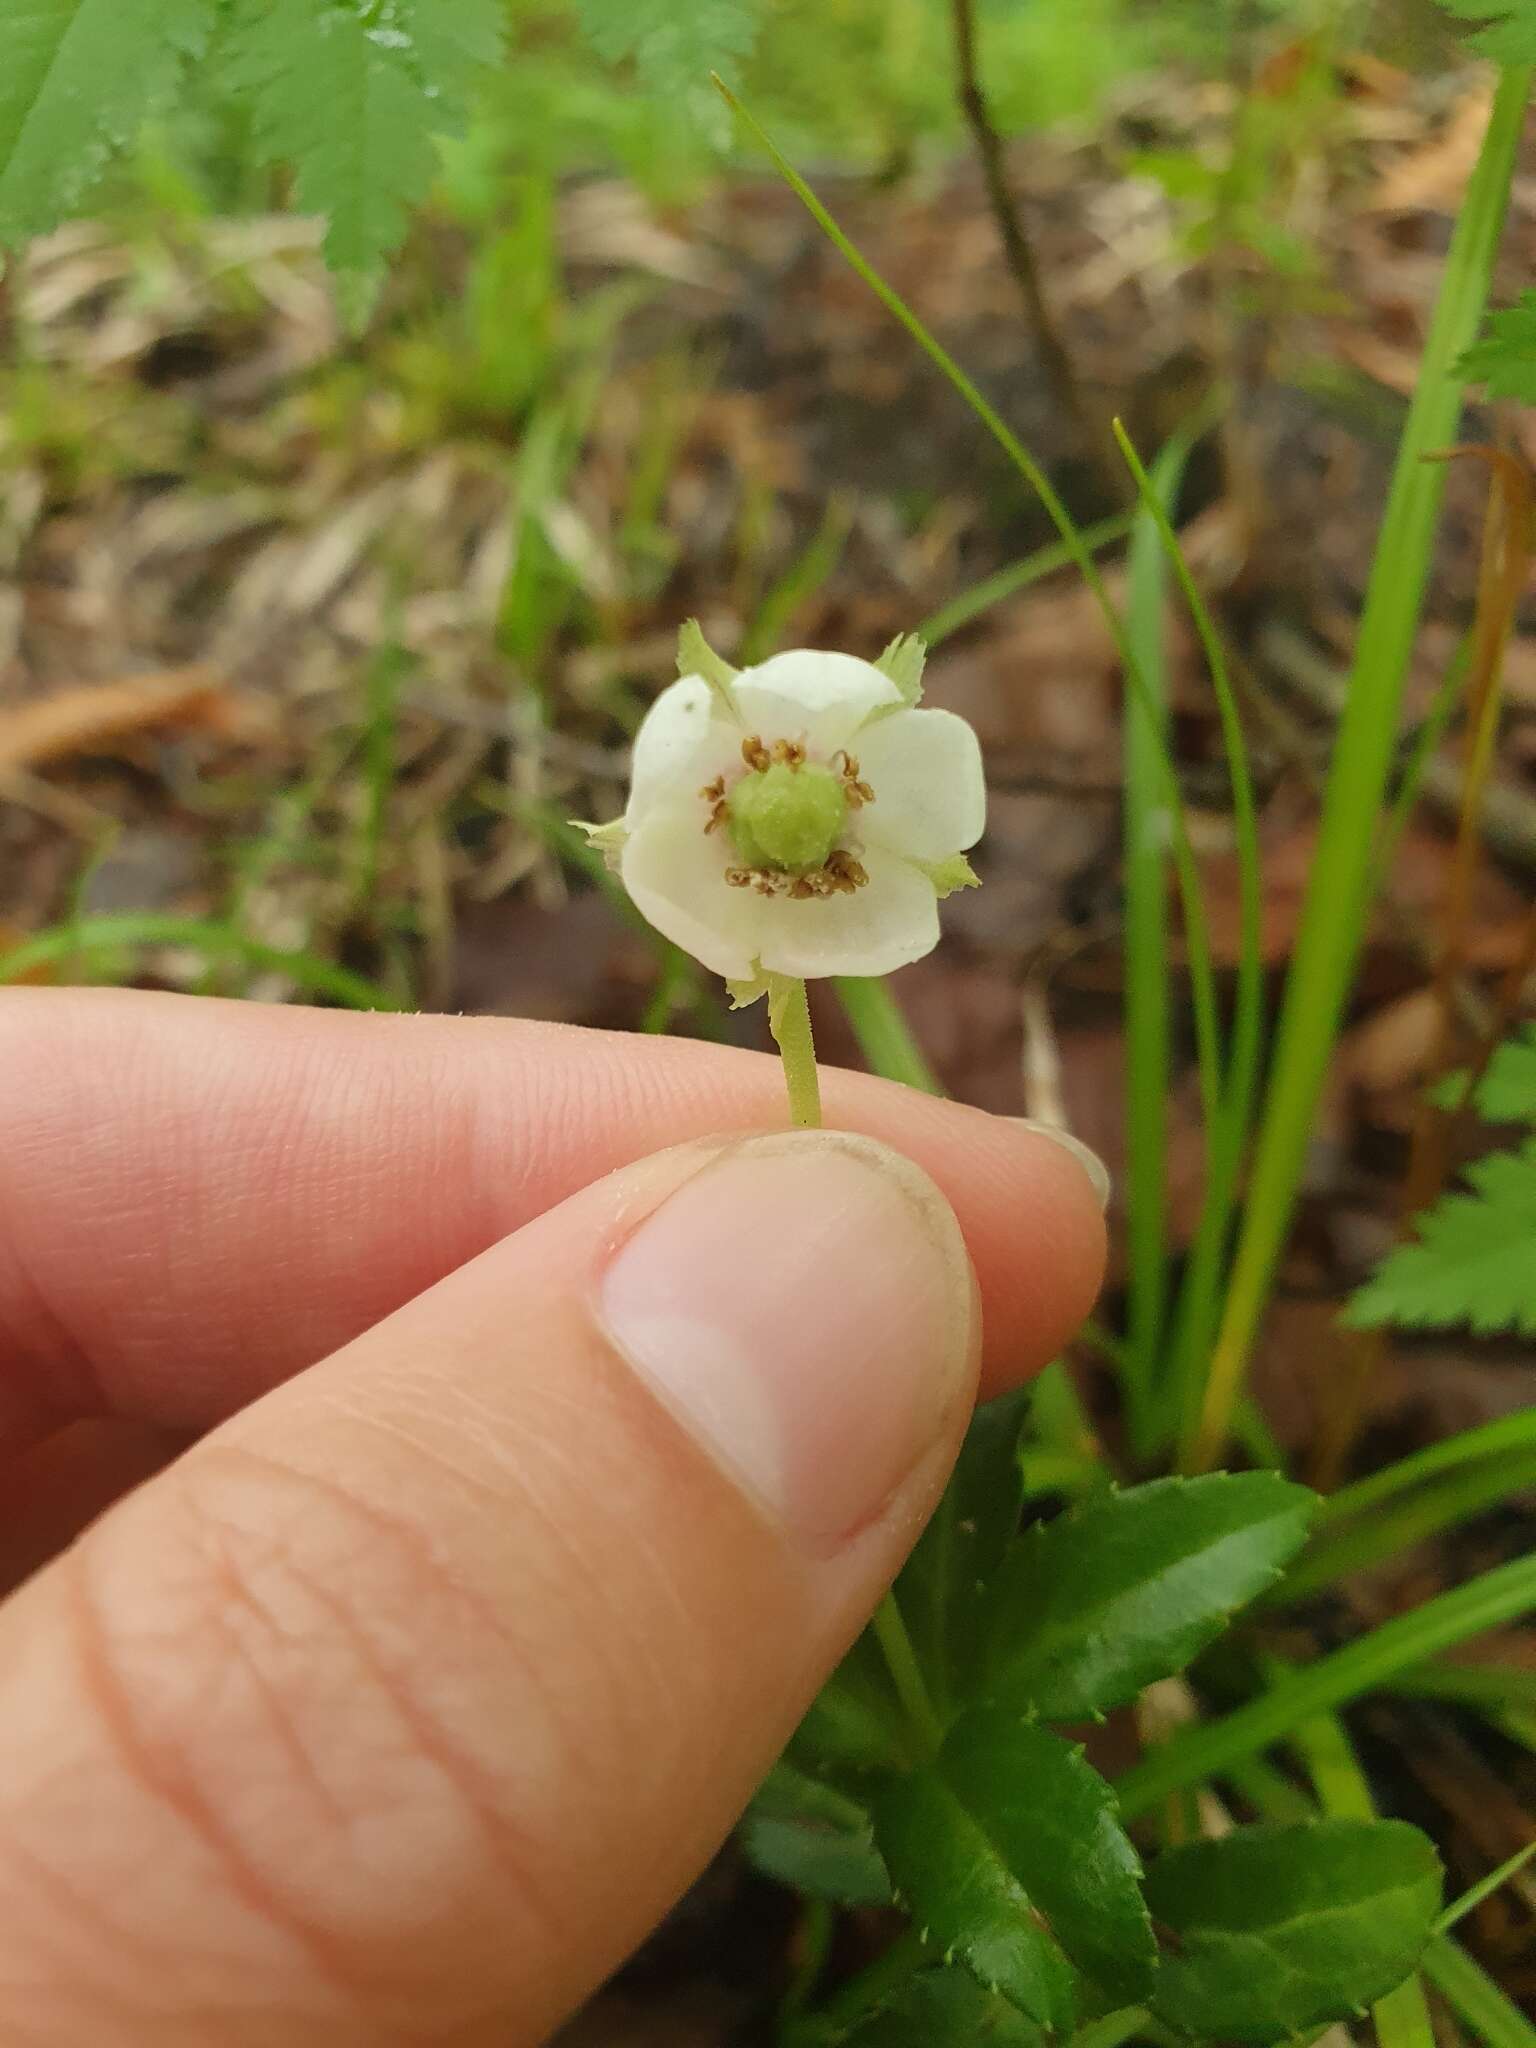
(351, 94)
(1125, 1589)
(1507, 1092)
(1007, 1825)
(946, 2009)
(1508, 28)
(964, 1893)
(1505, 358)
(1275, 1929)
(807, 1834)
(1002, 1842)
(673, 44)
(77, 80)
(965, 1540)
(1474, 1261)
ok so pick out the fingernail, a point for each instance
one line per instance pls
(1088, 1160)
(803, 1305)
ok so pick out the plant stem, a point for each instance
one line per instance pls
(789, 1019)
(1337, 903)
(906, 1673)
(1022, 264)
(870, 1989)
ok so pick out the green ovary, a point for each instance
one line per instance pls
(787, 818)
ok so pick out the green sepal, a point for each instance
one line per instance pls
(695, 657)
(903, 662)
(608, 839)
(949, 875)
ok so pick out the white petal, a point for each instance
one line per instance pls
(680, 746)
(820, 698)
(676, 879)
(892, 920)
(930, 790)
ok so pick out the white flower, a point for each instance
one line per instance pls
(799, 818)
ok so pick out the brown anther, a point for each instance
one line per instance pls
(855, 789)
(739, 878)
(755, 754)
(789, 753)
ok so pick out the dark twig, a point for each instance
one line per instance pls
(1020, 255)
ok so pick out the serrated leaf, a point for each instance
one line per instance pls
(946, 2009)
(1505, 358)
(1273, 1930)
(814, 1838)
(966, 1538)
(1508, 28)
(77, 80)
(1126, 1588)
(1009, 1846)
(1474, 1261)
(1507, 1092)
(352, 93)
(673, 44)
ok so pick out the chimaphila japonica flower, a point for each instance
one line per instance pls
(801, 818)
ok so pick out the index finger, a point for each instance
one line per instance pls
(200, 1198)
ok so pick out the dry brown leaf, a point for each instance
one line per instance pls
(1436, 175)
(90, 718)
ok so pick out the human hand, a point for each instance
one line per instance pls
(537, 1483)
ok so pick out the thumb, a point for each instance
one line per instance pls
(403, 1705)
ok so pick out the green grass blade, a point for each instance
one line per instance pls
(132, 929)
(1473, 1996)
(1337, 902)
(1509, 1433)
(970, 604)
(884, 1035)
(1360, 1667)
(1148, 973)
(1397, 1525)
(1485, 1888)
(1202, 980)
(1228, 1131)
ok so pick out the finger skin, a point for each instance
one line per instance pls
(397, 1711)
(199, 1198)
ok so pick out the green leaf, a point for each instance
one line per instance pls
(1474, 1261)
(1508, 31)
(904, 661)
(1505, 358)
(673, 44)
(965, 1540)
(816, 1839)
(1126, 1588)
(1009, 1844)
(1273, 1929)
(946, 2009)
(1507, 1092)
(77, 79)
(352, 93)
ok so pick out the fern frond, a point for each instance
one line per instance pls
(1474, 1262)
(77, 80)
(351, 93)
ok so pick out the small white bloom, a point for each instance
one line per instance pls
(800, 818)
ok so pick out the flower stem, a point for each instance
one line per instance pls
(789, 1019)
